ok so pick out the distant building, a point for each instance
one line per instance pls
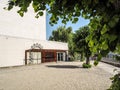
(23, 39)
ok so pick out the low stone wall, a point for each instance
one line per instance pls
(111, 62)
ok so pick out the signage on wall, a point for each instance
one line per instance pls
(36, 46)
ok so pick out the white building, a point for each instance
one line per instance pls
(23, 39)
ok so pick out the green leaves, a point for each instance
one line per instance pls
(63, 21)
(91, 43)
(113, 21)
(77, 14)
(61, 34)
(35, 6)
(96, 62)
(112, 38)
(104, 45)
(14, 0)
(11, 4)
(115, 82)
(75, 20)
(21, 13)
(104, 29)
(40, 13)
(84, 65)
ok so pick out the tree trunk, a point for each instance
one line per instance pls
(81, 57)
(87, 60)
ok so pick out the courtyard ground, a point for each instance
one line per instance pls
(56, 76)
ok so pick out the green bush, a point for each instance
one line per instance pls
(96, 62)
(117, 57)
(72, 58)
(86, 65)
(115, 82)
(82, 59)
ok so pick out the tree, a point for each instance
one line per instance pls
(80, 43)
(71, 45)
(61, 34)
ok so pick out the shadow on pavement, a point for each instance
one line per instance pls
(63, 66)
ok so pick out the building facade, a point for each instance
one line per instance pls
(23, 39)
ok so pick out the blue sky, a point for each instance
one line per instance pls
(76, 26)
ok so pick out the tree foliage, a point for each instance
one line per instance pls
(115, 82)
(61, 34)
(64, 34)
(71, 45)
(104, 18)
(81, 45)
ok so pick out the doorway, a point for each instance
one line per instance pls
(33, 57)
(60, 56)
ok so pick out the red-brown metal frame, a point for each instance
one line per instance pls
(43, 51)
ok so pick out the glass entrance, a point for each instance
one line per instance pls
(34, 57)
(60, 56)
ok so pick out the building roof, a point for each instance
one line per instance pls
(54, 45)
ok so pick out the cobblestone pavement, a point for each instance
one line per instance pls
(56, 76)
(109, 68)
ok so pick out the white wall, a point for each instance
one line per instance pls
(12, 24)
(12, 51)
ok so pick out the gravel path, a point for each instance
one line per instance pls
(55, 76)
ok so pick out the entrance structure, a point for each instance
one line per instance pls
(37, 55)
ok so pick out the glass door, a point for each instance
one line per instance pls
(60, 56)
(34, 57)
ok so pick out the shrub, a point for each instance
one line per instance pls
(96, 62)
(117, 57)
(86, 65)
(115, 82)
(71, 58)
(82, 59)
